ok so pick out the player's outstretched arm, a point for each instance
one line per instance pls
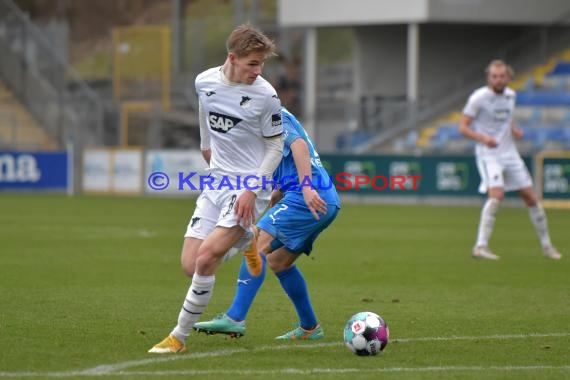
(466, 130)
(302, 159)
(518, 133)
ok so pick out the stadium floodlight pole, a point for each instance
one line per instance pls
(413, 62)
(177, 45)
(70, 168)
(238, 12)
(253, 12)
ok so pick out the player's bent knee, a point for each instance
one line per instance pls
(529, 197)
(496, 193)
(207, 263)
(188, 269)
(280, 260)
(278, 267)
(275, 263)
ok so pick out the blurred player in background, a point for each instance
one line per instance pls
(241, 135)
(488, 119)
(299, 213)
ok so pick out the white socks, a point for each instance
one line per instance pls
(196, 300)
(538, 218)
(487, 221)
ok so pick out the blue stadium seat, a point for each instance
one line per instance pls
(439, 138)
(529, 133)
(559, 82)
(539, 139)
(446, 133)
(555, 134)
(543, 98)
(529, 85)
(566, 141)
(411, 139)
(350, 140)
(561, 68)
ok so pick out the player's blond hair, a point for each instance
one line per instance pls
(246, 39)
(500, 63)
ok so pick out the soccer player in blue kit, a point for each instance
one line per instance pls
(303, 205)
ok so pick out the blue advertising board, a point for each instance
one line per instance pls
(34, 170)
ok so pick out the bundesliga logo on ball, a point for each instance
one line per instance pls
(366, 334)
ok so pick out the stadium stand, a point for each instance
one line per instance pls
(18, 129)
(543, 112)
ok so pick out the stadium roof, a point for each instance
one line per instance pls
(298, 13)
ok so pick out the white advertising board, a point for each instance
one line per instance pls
(107, 170)
(167, 170)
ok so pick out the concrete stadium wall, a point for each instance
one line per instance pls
(445, 50)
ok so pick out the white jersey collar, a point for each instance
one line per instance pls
(225, 79)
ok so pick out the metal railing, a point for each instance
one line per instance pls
(12, 122)
(59, 100)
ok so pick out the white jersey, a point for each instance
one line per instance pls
(239, 117)
(492, 114)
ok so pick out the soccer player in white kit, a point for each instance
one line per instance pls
(488, 119)
(241, 136)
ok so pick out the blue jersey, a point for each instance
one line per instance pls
(286, 175)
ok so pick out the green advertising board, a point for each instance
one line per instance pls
(405, 175)
(553, 178)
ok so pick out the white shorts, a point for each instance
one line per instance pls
(216, 208)
(509, 173)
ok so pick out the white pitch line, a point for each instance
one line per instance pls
(487, 337)
(293, 371)
(110, 368)
(310, 371)
(118, 368)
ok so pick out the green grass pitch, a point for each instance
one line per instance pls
(89, 284)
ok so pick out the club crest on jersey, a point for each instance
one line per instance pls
(222, 123)
(245, 101)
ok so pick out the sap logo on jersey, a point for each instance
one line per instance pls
(501, 114)
(222, 123)
(23, 168)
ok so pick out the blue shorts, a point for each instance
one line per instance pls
(291, 223)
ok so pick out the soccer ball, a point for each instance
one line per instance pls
(366, 334)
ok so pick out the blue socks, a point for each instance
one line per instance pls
(294, 284)
(291, 280)
(247, 288)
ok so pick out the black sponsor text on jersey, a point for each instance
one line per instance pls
(222, 123)
(276, 120)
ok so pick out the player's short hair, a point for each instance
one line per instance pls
(246, 39)
(500, 63)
